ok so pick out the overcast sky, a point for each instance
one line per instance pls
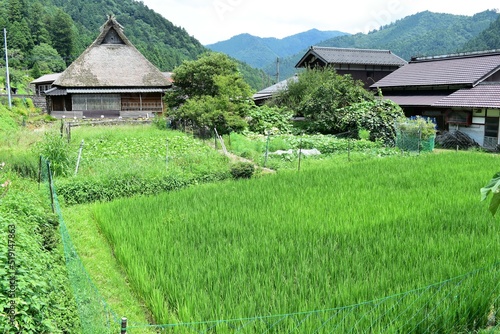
(212, 21)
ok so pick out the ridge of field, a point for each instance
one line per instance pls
(325, 237)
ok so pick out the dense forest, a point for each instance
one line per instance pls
(488, 39)
(44, 36)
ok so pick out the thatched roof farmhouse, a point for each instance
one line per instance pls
(110, 78)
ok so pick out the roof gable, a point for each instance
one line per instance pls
(330, 55)
(465, 69)
(112, 61)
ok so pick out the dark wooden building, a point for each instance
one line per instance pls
(367, 65)
(111, 78)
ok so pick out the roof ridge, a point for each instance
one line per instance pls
(471, 54)
(350, 49)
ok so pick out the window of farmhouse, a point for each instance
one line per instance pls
(96, 102)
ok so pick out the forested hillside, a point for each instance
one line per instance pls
(259, 52)
(489, 39)
(44, 36)
(422, 34)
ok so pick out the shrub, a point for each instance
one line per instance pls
(242, 170)
(21, 163)
(57, 150)
(274, 119)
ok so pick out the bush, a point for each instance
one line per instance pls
(57, 150)
(23, 164)
(242, 170)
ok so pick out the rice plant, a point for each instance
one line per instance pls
(399, 244)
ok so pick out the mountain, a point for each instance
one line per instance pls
(258, 51)
(488, 39)
(45, 36)
(422, 34)
(163, 43)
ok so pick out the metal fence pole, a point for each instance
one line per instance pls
(124, 326)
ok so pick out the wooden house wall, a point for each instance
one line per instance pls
(106, 105)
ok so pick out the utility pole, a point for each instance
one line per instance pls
(7, 76)
(277, 70)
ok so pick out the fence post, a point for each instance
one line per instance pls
(49, 172)
(39, 171)
(300, 151)
(124, 326)
(267, 148)
(79, 157)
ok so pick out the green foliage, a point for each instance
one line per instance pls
(56, 149)
(24, 164)
(209, 92)
(242, 170)
(33, 279)
(488, 39)
(267, 118)
(321, 232)
(108, 188)
(46, 60)
(377, 116)
(417, 127)
(125, 161)
(493, 188)
(319, 95)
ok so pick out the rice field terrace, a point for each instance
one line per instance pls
(392, 245)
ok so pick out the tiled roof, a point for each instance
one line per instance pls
(47, 78)
(443, 71)
(268, 92)
(415, 100)
(351, 56)
(481, 96)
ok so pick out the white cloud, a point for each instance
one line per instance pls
(211, 21)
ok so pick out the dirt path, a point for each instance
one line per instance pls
(237, 158)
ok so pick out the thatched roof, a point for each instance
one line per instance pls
(112, 61)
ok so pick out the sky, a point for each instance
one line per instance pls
(211, 21)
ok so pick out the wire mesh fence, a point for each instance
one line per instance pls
(95, 314)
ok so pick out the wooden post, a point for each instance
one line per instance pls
(124, 326)
(49, 172)
(300, 150)
(267, 148)
(349, 149)
(166, 155)
(39, 171)
(68, 132)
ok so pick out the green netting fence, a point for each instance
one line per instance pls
(415, 135)
(465, 304)
(95, 314)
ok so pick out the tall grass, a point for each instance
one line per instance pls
(323, 238)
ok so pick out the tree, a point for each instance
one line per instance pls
(319, 94)
(377, 116)
(46, 59)
(210, 92)
(38, 24)
(196, 78)
(63, 39)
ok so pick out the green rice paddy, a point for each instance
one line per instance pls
(406, 232)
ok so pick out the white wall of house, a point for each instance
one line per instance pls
(475, 131)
